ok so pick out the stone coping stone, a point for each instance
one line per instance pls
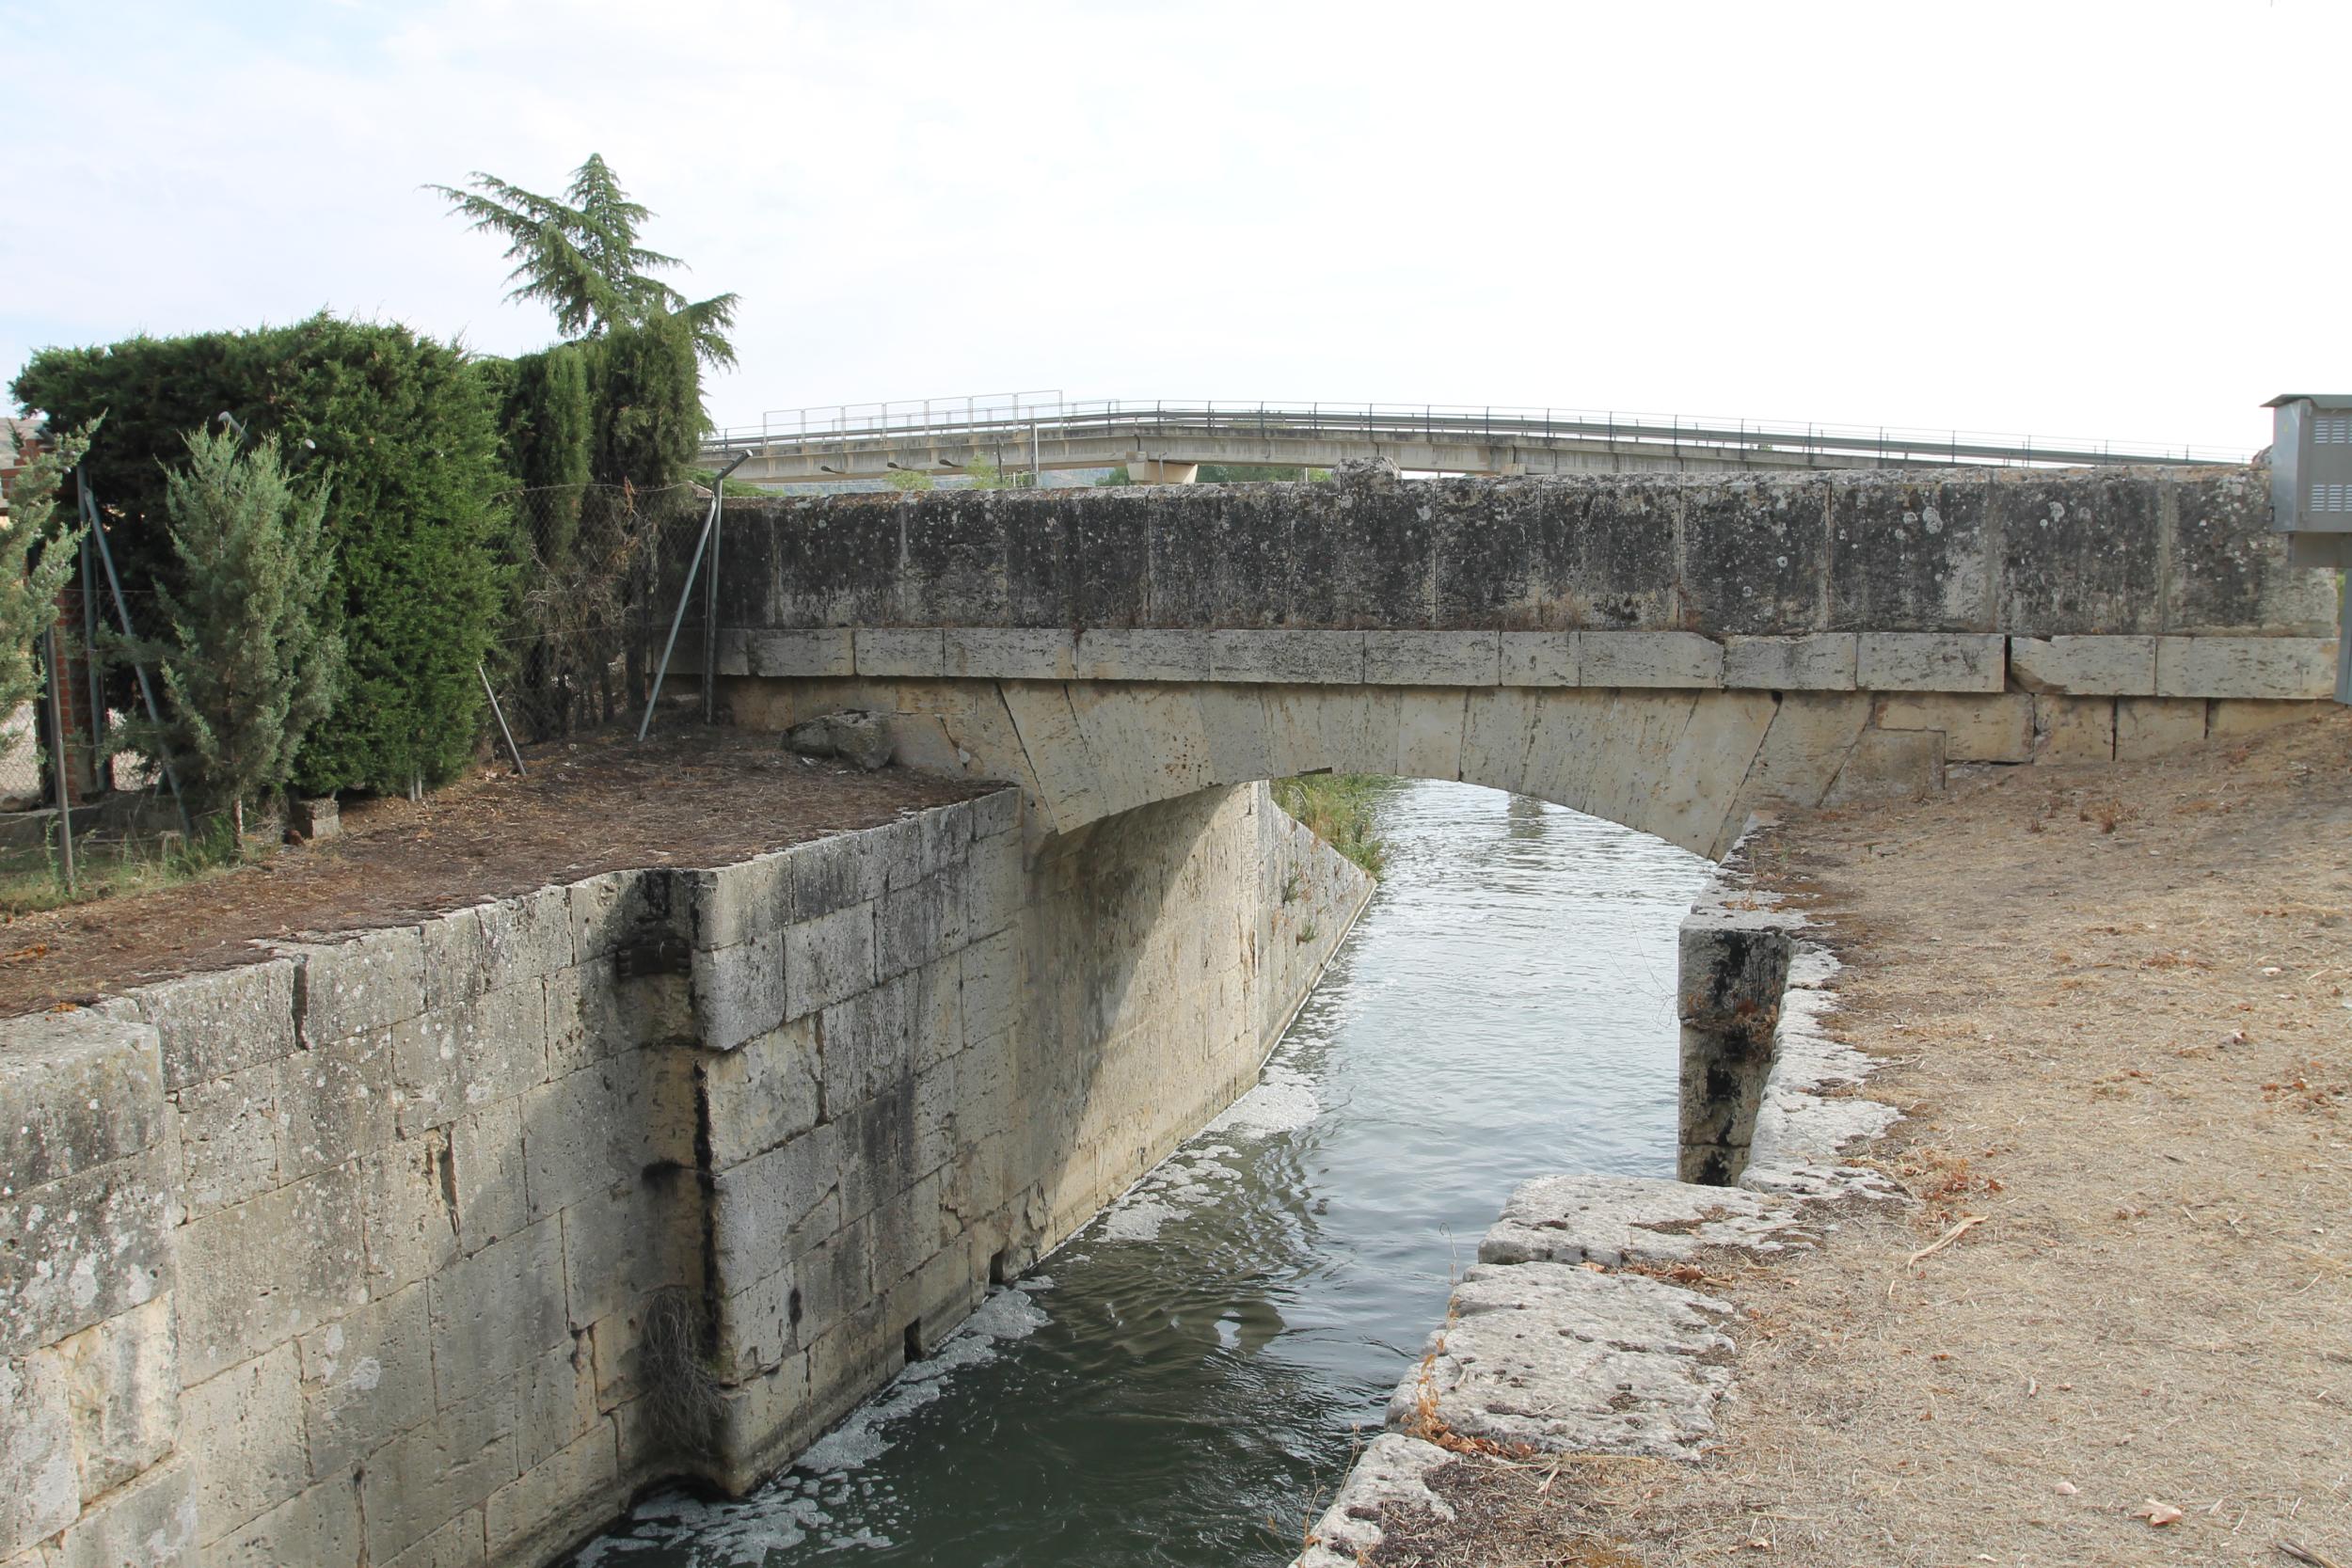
(1616, 1220)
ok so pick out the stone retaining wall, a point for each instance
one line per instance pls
(428, 1246)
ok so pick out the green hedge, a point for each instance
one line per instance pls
(404, 429)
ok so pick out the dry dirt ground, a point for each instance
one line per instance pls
(702, 798)
(2114, 1007)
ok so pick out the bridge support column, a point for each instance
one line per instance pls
(1155, 471)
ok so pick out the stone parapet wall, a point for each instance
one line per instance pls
(430, 1245)
(2042, 554)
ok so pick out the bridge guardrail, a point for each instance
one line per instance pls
(1034, 415)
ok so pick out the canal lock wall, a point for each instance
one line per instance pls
(431, 1245)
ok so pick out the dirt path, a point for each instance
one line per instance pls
(702, 798)
(2115, 1006)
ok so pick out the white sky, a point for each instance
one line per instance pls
(2061, 218)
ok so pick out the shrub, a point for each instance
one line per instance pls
(404, 430)
(37, 553)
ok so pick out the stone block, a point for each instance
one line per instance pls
(149, 1523)
(496, 1311)
(1115, 654)
(944, 834)
(592, 1012)
(433, 1473)
(762, 1093)
(455, 1544)
(802, 654)
(597, 1129)
(2073, 729)
(555, 1402)
(833, 873)
(735, 903)
(43, 1495)
(1648, 658)
(2233, 715)
(1292, 657)
(2150, 726)
(1539, 658)
(404, 1197)
(902, 652)
(210, 1026)
(997, 812)
(483, 1170)
(554, 1502)
(995, 886)
(1429, 734)
(2085, 666)
(1823, 661)
(2281, 667)
(83, 1249)
(991, 986)
(122, 1380)
(255, 1275)
(502, 1042)
(77, 1091)
(1989, 727)
(1889, 765)
(1432, 658)
(503, 943)
(372, 981)
(827, 959)
(740, 992)
(334, 1104)
(319, 1527)
(759, 1206)
(1011, 653)
(620, 910)
(366, 1378)
(242, 1432)
(229, 1139)
(1931, 661)
(913, 926)
(622, 1246)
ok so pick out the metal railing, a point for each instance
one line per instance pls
(1028, 417)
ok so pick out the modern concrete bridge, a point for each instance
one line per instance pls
(1670, 653)
(1166, 442)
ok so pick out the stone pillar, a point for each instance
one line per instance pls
(1733, 965)
(1157, 471)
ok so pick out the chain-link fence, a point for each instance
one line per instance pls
(596, 574)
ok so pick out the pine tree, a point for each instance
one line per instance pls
(254, 659)
(580, 256)
(35, 556)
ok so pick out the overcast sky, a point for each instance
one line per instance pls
(2060, 219)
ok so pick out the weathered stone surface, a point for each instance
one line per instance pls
(901, 651)
(495, 1311)
(2073, 729)
(1539, 658)
(1127, 654)
(82, 1249)
(371, 981)
(762, 1093)
(1566, 1360)
(149, 1523)
(1298, 658)
(1992, 727)
(2230, 717)
(504, 942)
(1393, 1472)
(455, 1544)
(335, 1103)
(317, 1528)
(366, 1378)
(77, 1091)
(854, 735)
(1821, 662)
(740, 992)
(2149, 726)
(1432, 657)
(1648, 658)
(805, 653)
(433, 1473)
(1929, 661)
(597, 1129)
(242, 1431)
(2085, 666)
(43, 1495)
(252, 1291)
(1018, 653)
(122, 1379)
(1615, 1220)
(2281, 667)
(1889, 765)
(210, 1026)
(229, 1139)
(825, 961)
(1733, 966)
(554, 1502)
(619, 909)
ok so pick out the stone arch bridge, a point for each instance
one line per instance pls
(1670, 652)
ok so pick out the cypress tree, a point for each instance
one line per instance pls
(253, 660)
(35, 556)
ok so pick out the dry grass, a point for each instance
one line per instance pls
(2113, 1004)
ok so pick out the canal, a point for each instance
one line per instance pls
(1182, 1383)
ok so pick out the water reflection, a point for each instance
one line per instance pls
(1187, 1380)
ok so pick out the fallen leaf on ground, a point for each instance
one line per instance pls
(2157, 1515)
(2066, 1489)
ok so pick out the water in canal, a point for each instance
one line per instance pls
(1182, 1383)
